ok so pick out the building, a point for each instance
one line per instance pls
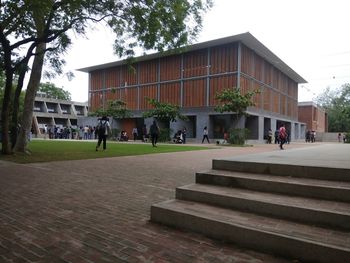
(53, 112)
(192, 77)
(313, 116)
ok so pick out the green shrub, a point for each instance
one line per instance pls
(238, 136)
(164, 135)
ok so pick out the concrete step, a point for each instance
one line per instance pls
(276, 236)
(322, 189)
(283, 169)
(306, 210)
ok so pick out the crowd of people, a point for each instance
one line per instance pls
(310, 136)
(280, 136)
(64, 132)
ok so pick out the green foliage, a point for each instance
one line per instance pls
(238, 136)
(150, 25)
(164, 135)
(231, 100)
(163, 111)
(54, 92)
(337, 105)
(116, 109)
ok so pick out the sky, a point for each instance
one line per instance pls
(310, 36)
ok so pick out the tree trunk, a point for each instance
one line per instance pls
(15, 108)
(5, 114)
(6, 105)
(29, 99)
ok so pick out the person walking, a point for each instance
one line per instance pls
(103, 128)
(282, 136)
(205, 134)
(154, 131)
(184, 133)
(144, 133)
(134, 133)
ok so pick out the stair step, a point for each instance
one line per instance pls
(272, 235)
(306, 210)
(323, 189)
(284, 169)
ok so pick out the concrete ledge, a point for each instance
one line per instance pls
(305, 210)
(327, 190)
(217, 223)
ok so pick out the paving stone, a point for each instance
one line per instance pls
(99, 210)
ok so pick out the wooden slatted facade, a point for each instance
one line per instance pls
(192, 78)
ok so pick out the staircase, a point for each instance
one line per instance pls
(295, 211)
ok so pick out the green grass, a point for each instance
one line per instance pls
(48, 150)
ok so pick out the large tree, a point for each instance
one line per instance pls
(52, 91)
(233, 101)
(163, 111)
(34, 27)
(337, 105)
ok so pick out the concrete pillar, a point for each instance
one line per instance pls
(59, 109)
(293, 134)
(261, 128)
(273, 124)
(44, 107)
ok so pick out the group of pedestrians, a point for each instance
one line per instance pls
(103, 129)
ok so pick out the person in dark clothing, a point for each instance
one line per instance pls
(154, 131)
(103, 129)
(184, 134)
(205, 134)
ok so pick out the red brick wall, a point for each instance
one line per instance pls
(315, 118)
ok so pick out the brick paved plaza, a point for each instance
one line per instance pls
(99, 210)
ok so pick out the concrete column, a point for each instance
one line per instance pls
(261, 128)
(59, 109)
(73, 111)
(293, 134)
(44, 107)
(273, 124)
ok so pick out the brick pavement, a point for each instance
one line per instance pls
(98, 210)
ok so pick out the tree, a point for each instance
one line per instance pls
(337, 105)
(163, 111)
(231, 100)
(116, 109)
(38, 27)
(54, 92)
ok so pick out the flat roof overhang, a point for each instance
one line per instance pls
(246, 38)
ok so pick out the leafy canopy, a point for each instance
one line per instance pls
(337, 105)
(164, 111)
(231, 100)
(116, 109)
(54, 92)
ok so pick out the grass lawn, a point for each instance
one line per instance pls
(56, 150)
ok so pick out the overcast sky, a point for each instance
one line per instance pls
(310, 36)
